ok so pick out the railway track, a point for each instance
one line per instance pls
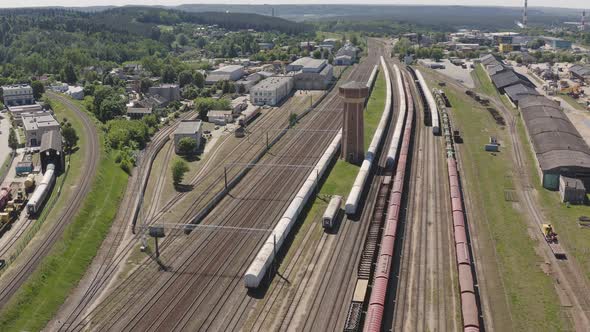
(425, 297)
(222, 293)
(110, 268)
(92, 155)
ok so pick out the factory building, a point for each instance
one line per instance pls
(15, 95)
(580, 72)
(170, 92)
(311, 74)
(220, 117)
(36, 126)
(188, 128)
(557, 43)
(559, 148)
(572, 190)
(271, 91)
(226, 73)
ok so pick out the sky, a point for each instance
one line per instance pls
(82, 3)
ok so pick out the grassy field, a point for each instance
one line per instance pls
(573, 103)
(486, 84)
(42, 295)
(530, 293)
(374, 108)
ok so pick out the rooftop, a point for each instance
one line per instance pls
(308, 62)
(556, 141)
(51, 140)
(228, 69)
(188, 127)
(273, 82)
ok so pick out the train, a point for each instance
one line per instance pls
(374, 316)
(256, 271)
(247, 116)
(361, 178)
(42, 191)
(332, 212)
(431, 103)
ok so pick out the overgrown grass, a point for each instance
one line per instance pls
(486, 83)
(374, 108)
(530, 292)
(37, 301)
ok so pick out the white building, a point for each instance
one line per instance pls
(20, 94)
(188, 128)
(220, 117)
(76, 92)
(226, 73)
(272, 90)
(36, 126)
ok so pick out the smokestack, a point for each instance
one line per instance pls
(583, 23)
(524, 16)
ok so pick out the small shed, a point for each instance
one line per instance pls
(572, 190)
(51, 150)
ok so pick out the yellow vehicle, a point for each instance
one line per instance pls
(550, 235)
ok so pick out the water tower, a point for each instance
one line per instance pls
(354, 94)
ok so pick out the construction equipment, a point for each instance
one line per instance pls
(550, 235)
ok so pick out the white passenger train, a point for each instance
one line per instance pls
(42, 191)
(332, 212)
(431, 103)
(401, 119)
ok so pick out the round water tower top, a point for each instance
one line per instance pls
(354, 89)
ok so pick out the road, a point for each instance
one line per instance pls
(28, 261)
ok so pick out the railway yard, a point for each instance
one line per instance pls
(242, 242)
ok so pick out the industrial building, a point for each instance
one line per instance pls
(220, 117)
(15, 95)
(311, 74)
(36, 126)
(572, 190)
(503, 76)
(138, 112)
(188, 128)
(580, 72)
(343, 60)
(226, 73)
(170, 92)
(272, 90)
(519, 91)
(51, 151)
(557, 43)
(18, 111)
(559, 148)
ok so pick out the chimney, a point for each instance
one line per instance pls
(524, 15)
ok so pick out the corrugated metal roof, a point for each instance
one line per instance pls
(580, 70)
(556, 141)
(51, 140)
(519, 91)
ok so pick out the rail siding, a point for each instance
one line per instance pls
(361, 178)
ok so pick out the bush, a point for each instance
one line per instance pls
(187, 145)
(127, 133)
(178, 169)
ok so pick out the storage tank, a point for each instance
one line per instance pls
(30, 182)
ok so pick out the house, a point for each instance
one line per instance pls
(76, 92)
(579, 72)
(343, 60)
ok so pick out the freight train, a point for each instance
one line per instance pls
(42, 191)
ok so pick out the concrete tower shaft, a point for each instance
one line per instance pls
(354, 94)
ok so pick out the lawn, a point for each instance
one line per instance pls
(37, 301)
(374, 108)
(530, 293)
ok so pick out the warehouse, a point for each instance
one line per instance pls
(559, 148)
(311, 74)
(580, 72)
(272, 90)
(51, 151)
(188, 128)
(518, 91)
(20, 94)
(220, 117)
(227, 73)
(170, 92)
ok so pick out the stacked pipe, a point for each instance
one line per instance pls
(374, 318)
(256, 271)
(361, 178)
(431, 103)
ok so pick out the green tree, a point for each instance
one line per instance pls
(12, 140)
(38, 89)
(317, 54)
(69, 74)
(187, 145)
(182, 39)
(111, 107)
(199, 80)
(185, 77)
(179, 168)
(168, 74)
(70, 136)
